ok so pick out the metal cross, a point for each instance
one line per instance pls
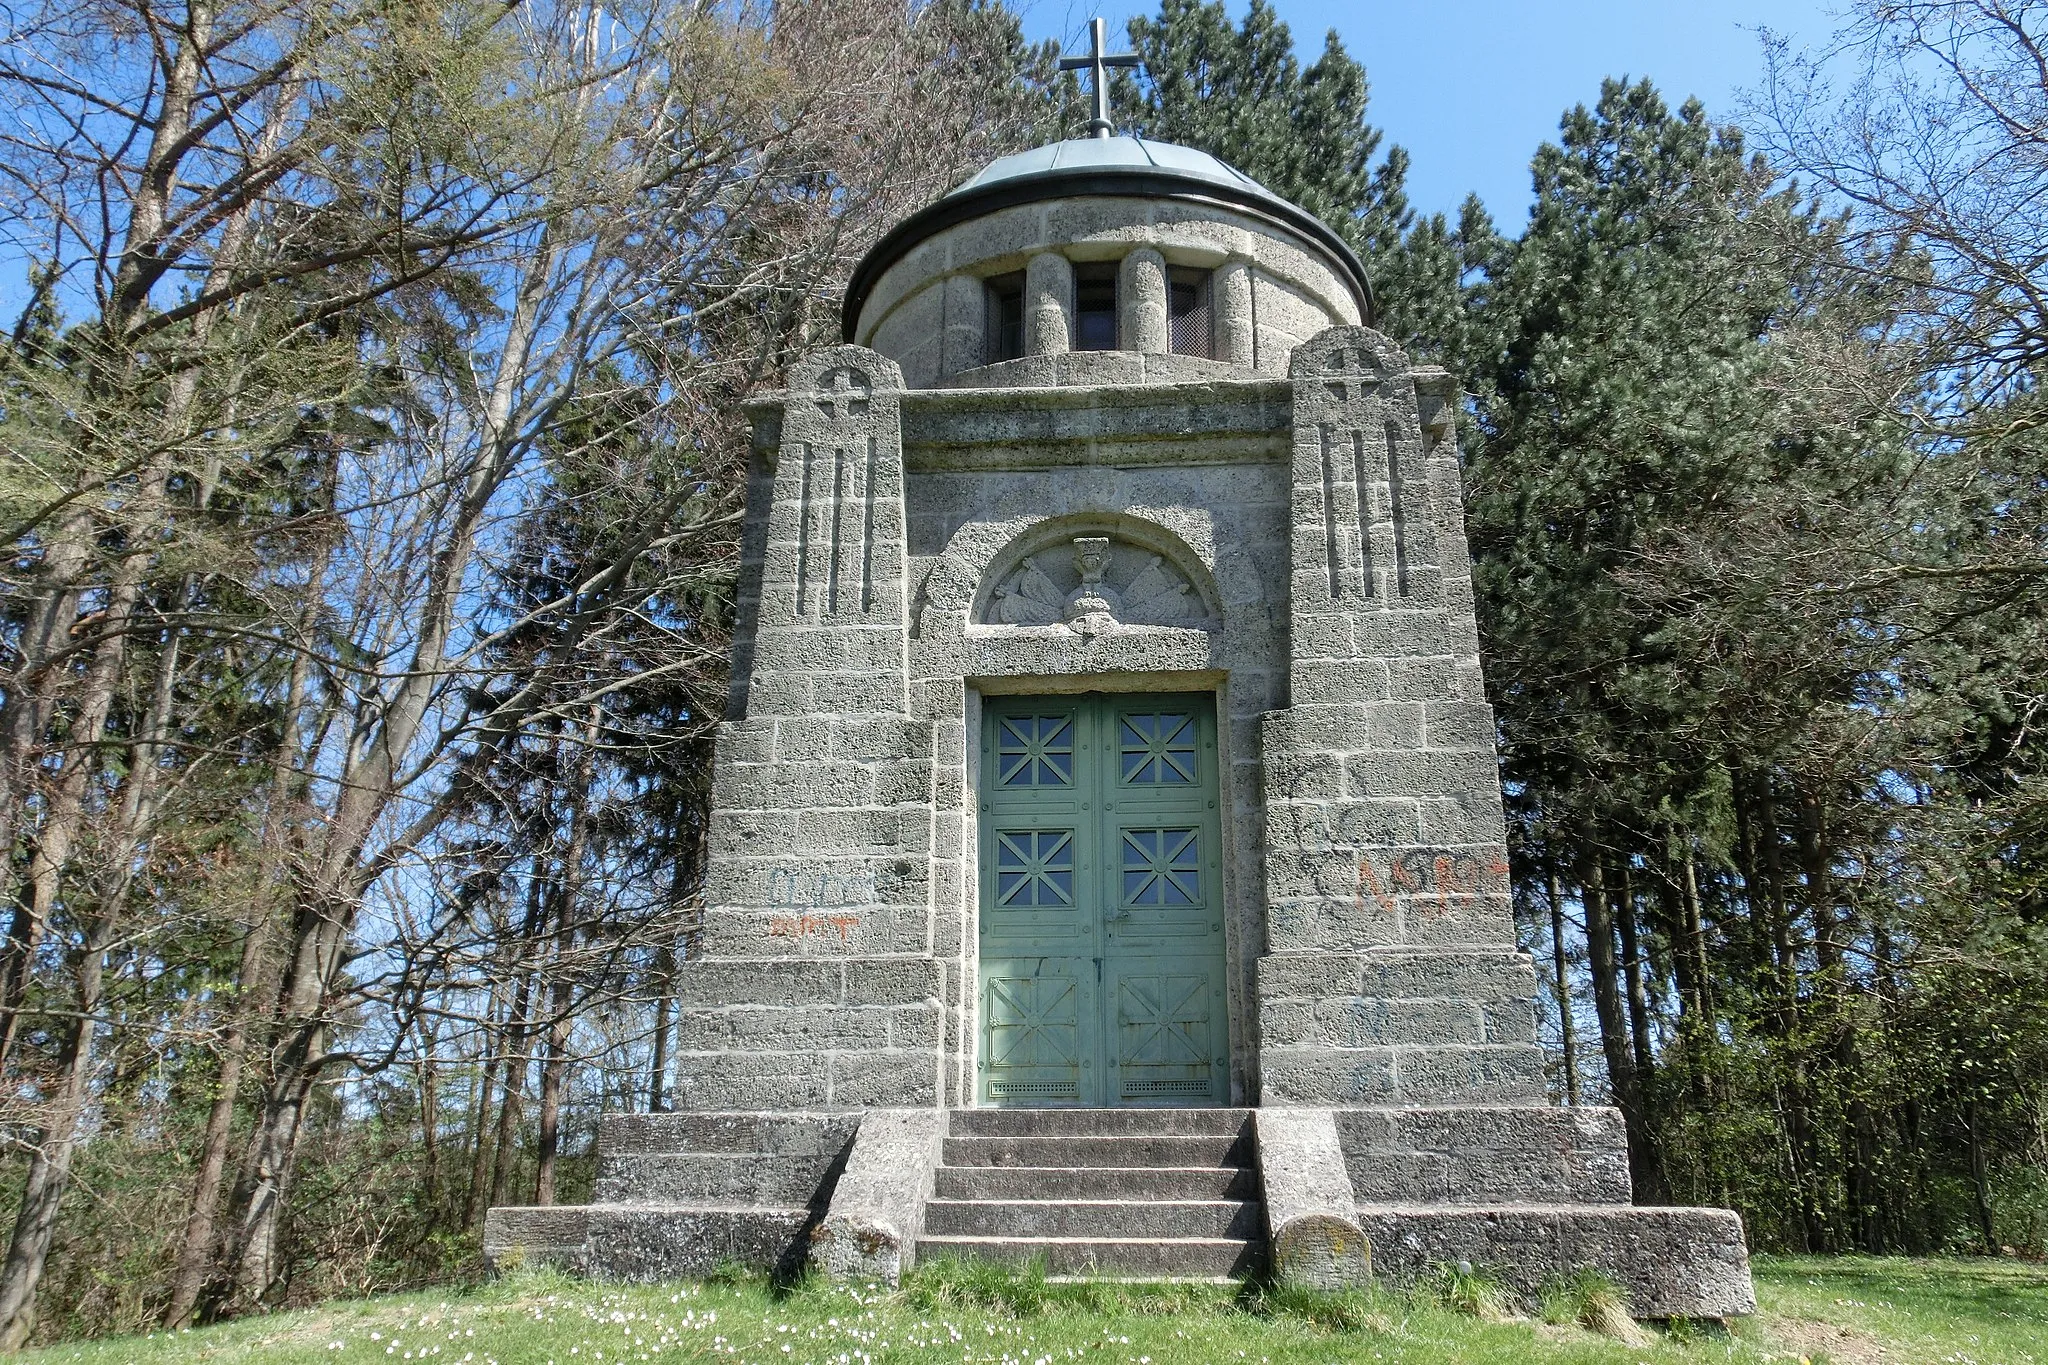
(1098, 62)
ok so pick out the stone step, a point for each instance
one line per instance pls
(644, 1242)
(768, 1135)
(1095, 1182)
(1098, 1122)
(1214, 1150)
(1099, 1218)
(1147, 1258)
(710, 1178)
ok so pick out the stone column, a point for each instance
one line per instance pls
(965, 344)
(1230, 295)
(1048, 304)
(811, 984)
(1141, 321)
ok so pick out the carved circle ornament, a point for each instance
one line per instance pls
(1093, 585)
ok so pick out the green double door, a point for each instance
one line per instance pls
(1101, 902)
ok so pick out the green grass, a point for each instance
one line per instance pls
(1828, 1312)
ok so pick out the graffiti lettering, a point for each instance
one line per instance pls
(1429, 875)
(795, 889)
(803, 926)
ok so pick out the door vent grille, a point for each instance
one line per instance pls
(1186, 1086)
(1034, 1090)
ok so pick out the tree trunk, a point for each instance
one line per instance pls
(512, 1082)
(27, 702)
(657, 1063)
(51, 856)
(49, 1168)
(332, 889)
(1793, 1082)
(1980, 1184)
(480, 1120)
(1612, 1013)
(195, 1248)
(569, 891)
(1678, 913)
(548, 1143)
(427, 1067)
(1626, 918)
(1561, 982)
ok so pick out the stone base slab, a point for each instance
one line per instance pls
(647, 1242)
(1672, 1262)
(1486, 1155)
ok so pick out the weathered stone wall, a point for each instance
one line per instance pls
(1314, 529)
(1295, 546)
(1194, 476)
(811, 982)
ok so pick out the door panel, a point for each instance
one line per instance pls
(1101, 918)
(1035, 1010)
(1168, 1048)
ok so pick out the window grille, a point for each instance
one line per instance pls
(1095, 307)
(1188, 313)
(1006, 317)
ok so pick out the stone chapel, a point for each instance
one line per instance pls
(1107, 857)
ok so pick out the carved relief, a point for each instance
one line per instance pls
(1101, 585)
(843, 392)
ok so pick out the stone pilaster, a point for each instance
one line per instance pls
(811, 982)
(1392, 975)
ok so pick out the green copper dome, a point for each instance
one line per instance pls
(1124, 166)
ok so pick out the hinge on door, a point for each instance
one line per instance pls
(1098, 971)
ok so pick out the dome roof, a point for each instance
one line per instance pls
(1115, 153)
(1125, 166)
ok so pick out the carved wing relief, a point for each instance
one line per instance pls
(1101, 585)
(1029, 598)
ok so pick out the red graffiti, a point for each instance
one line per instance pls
(1431, 876)
(803, 926)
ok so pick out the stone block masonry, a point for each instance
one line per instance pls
(1269, 521)
(811, 982)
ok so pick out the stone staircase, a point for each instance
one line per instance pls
(681, 1194)
(1135, 1193)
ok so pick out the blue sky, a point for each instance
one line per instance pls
(1470, 87)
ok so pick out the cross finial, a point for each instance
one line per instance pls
(1098, 63)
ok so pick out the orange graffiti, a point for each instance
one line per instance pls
(1431, 876)
(803, 926)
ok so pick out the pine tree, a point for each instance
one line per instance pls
(1240, 94)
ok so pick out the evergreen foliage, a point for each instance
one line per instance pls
(1734, 716)
(371, 507)
(1755, 505)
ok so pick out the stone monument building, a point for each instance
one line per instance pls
(1107, 858)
